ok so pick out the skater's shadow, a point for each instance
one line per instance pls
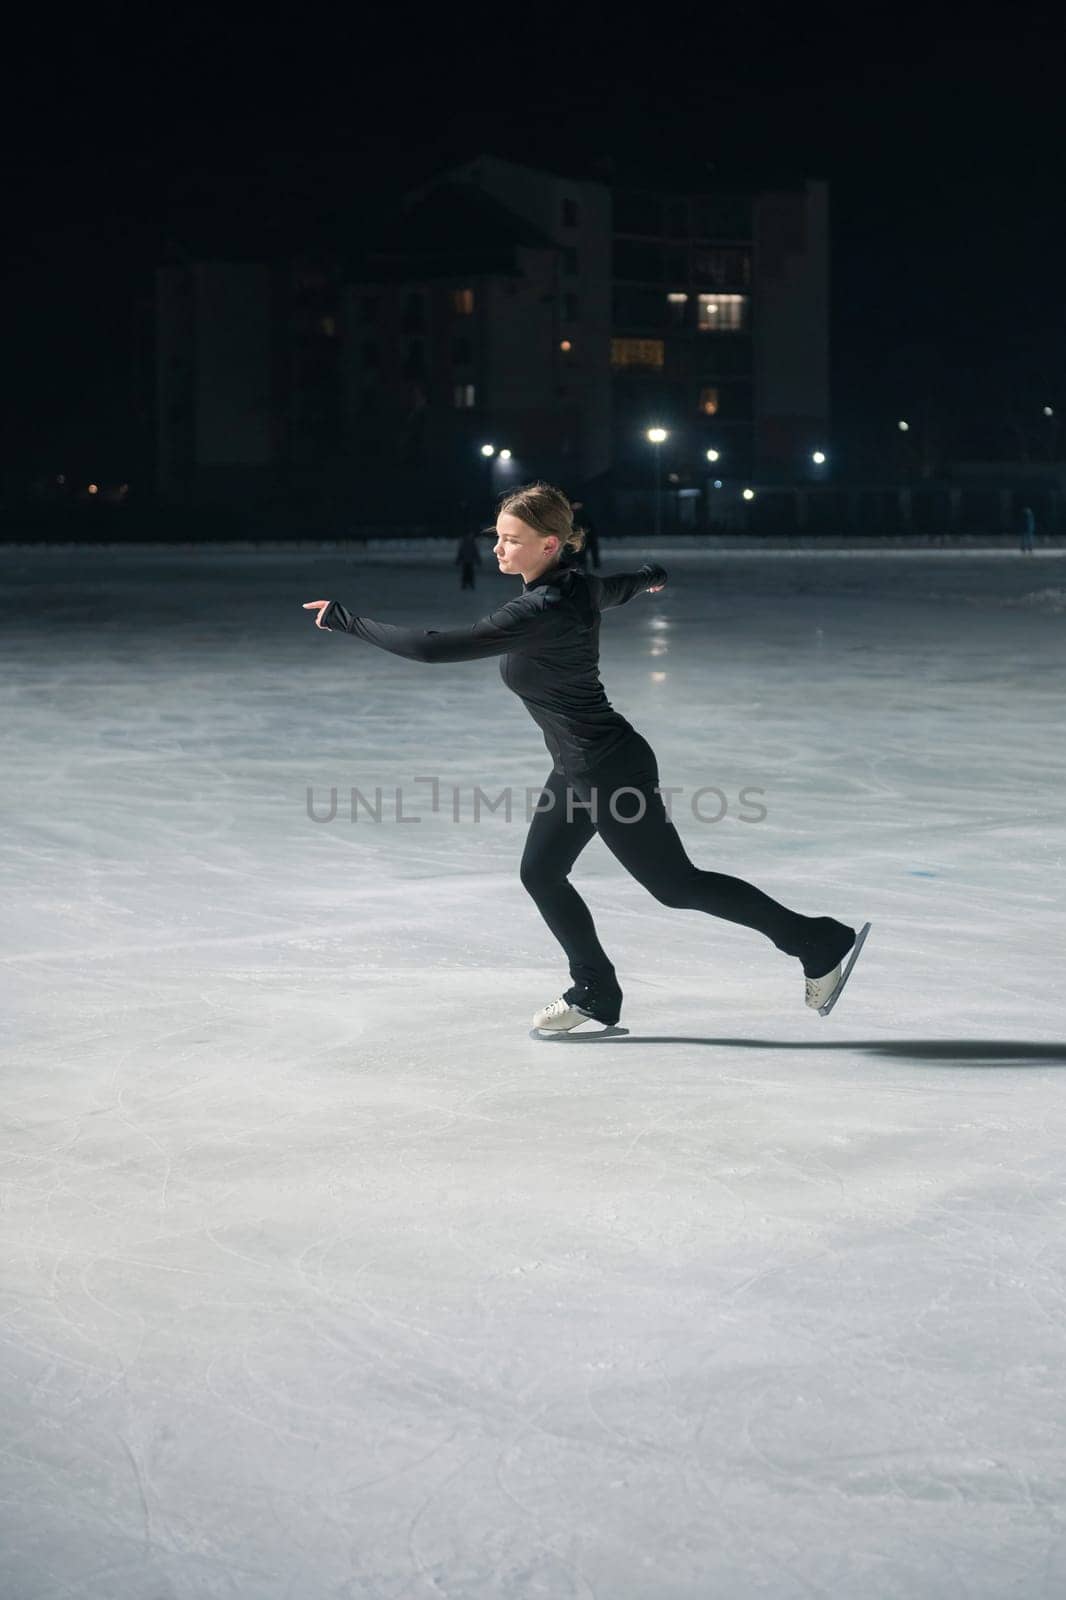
(939, 1052)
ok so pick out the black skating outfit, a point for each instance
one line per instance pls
(604, 774)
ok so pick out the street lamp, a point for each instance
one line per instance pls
(818, 457)
(904, 427)
(748, 494)
(714, 455)
(658, 437)
(488, 450)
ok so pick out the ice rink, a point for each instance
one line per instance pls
(321, 1280)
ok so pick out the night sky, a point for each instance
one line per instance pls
(946, 159)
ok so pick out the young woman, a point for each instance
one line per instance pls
(604, 775)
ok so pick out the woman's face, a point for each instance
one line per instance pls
(519, 547)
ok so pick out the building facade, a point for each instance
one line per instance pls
(551, 319)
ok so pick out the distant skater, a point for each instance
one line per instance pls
(1028, 530)
(604, 776)
(467, 557)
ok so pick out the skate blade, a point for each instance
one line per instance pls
(823, 1011)
(579, 1034)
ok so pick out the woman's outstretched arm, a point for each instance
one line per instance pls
(512, 626)
(619, 587)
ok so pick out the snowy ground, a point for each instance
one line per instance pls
(321, 1279)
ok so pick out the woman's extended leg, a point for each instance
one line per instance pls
(631, 819)
(557, 835)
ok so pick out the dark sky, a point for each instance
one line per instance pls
(946, 158)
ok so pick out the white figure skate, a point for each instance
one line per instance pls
(824, 992)
(559, 1019)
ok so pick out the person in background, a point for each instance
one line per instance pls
(1028, 530)
(467, 557)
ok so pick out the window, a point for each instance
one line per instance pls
(464, 396)
(709, 400)
(722, 269)
(463, 303)
(648, 353)
(637, 261)
(462, 352)
(571, 305)
(414, 313)
(723, 216)
(638, 308)
(723, 313)
(369, 352)
(414, 361)
(570, 261)
(569, 213)
(328, 326)
(677, 308)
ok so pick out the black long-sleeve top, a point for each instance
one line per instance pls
(549, 639)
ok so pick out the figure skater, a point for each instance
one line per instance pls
(604, 777)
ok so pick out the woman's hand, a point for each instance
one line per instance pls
(320, 606)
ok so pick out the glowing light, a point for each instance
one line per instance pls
(488, 449)
(718, 483)
(657, 677)
(818, 457)
(62, 478)
(94, 488)
(657, 436)
(711, 310)
(714, 455)
(1049, 411)
(904, 427)
(564, 344)
(749, 494)
(505, 455)
(677, 299)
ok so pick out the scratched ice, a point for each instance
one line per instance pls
(321, 1279)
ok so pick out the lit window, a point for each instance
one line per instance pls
(463, 302)
(723, 312)
(464, 396)
(709, 402)
(328, 326)
(637, 352)
(677, 299)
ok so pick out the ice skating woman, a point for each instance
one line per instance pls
(604, 775)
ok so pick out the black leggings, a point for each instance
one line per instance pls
(631, 819)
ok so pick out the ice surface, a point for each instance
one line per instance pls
(321, 1279)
